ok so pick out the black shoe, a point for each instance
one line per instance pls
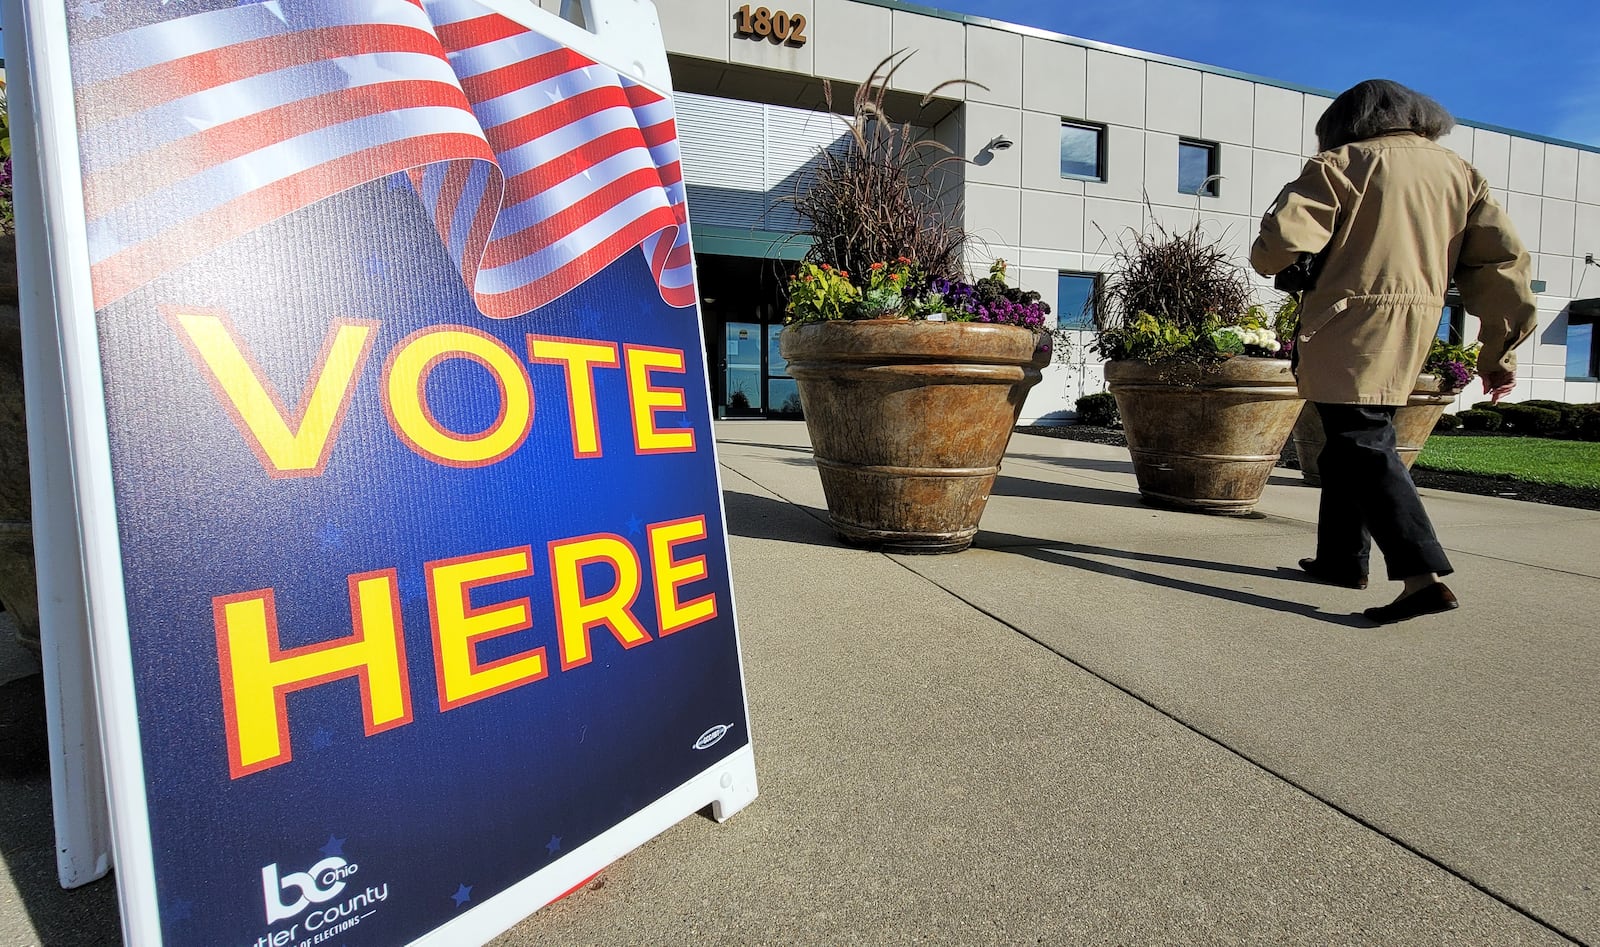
(1427, 601)
(1348, 579)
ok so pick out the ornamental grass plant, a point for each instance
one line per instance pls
(1178, 295)
(883, 195)
(885, 242)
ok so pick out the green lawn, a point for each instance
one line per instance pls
(1538, 459)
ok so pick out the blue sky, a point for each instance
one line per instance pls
(1532, 66)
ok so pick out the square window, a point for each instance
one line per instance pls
(1197, 163)
(1075, 300)
(1083, 151)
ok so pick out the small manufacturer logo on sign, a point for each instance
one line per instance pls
(713, 736)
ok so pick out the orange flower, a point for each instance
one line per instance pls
(894, 277)
(877, 266)
(826, 267)
(903, 260)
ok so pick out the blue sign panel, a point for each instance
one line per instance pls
(420, 533)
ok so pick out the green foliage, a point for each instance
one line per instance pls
(1447, 422)
(1226, 341)
(1146, 338)
(1099, 409)
(1527, 419)
(1569, 412)
(1477, 419)
(1534, 459)
(1544, 417)
(5, 122)
(888, 289)
(8, 213)
(1586, 422)
(1455, 365)
(1285, 319)
(819, 292)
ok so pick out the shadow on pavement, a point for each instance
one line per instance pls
(1121, 466)
(1073, 555)
(1005, 486)
(759, 517)
(788, 447)
(86, 915)
(1125, 466)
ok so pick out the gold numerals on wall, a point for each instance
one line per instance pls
(779, 27)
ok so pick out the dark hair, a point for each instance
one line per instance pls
(1371, 108)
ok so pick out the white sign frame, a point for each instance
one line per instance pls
(80, 558)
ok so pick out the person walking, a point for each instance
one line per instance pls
(1378, 224)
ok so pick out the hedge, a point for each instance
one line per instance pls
(1099, 409)
(1525, 418)
(1477, 419)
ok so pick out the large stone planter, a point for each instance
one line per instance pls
(1412, 425)
(908, 422)
(1204, 438)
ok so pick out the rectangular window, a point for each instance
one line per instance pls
(1083, 151)
(1583, 358)
(1197, 163)
(1452, 324)
(1076, 294)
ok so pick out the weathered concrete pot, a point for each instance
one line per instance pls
(908, 422)
(1204, 438)
(1412, 425)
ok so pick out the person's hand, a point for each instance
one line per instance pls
(1498, 383)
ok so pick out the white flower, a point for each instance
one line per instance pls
(1274, 347)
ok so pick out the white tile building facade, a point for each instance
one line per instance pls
(1020, 206)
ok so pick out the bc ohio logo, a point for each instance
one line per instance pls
(317, 884)
(713, 736)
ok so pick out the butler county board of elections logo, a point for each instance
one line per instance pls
(328, 895)
(322, 882)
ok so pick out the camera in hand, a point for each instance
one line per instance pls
(1299, 276)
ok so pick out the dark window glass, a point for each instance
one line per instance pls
(1197, 161)
(1081, 151)
(1075, 293)
(783, 398)
(1452, 324)
(1583, 361)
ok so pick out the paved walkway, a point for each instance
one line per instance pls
(1106, 724)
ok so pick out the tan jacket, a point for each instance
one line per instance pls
(1398, 215)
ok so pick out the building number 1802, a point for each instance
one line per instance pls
(780, 27)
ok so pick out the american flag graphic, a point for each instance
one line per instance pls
(539, 167)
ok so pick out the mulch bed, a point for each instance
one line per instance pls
(1480, 485)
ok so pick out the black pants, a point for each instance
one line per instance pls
(1368, 496)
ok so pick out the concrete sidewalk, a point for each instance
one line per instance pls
(1103, 724)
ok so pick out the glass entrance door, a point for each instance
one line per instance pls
(742, 389)
(783, 397)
